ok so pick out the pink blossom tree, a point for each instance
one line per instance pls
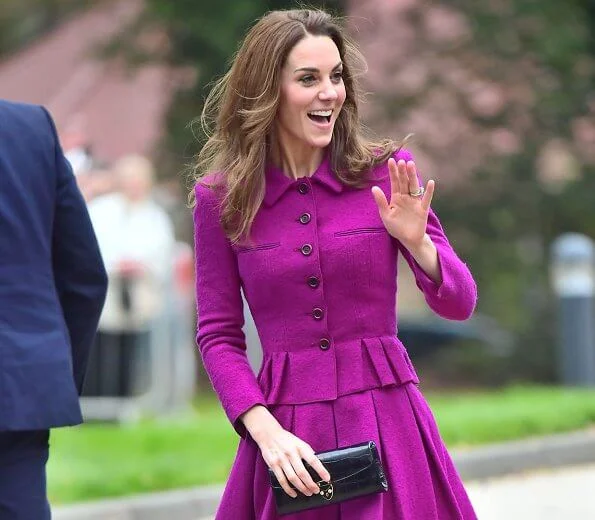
(500, 95)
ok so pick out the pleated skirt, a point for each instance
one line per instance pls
(423, 482)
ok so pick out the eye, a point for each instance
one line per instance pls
(337, 76)
(308, 79)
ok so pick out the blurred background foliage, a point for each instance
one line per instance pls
(205, 34)
(504, 117)
(501, 97)
(23, 21)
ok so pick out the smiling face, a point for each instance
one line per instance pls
(312, 94)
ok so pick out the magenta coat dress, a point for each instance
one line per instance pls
(320, 278)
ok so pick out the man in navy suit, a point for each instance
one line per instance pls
(52, 290)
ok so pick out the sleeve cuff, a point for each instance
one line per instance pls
(429, 287)
(454, 298)
(235, 412)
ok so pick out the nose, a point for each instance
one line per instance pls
(328, 92)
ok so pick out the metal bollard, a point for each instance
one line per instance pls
(573, 280)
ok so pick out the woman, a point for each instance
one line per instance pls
(308, 217)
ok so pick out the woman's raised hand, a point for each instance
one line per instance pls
(405, 216)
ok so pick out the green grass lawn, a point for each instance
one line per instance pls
(512, 413)
(94, 461)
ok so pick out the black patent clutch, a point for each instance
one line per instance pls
(355, 471)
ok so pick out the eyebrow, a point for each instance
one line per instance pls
(314, 69)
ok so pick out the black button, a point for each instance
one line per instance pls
(306, 249)
(325, 344)
(313, 282)
(317, 313)
(305, 218)
(303, 188)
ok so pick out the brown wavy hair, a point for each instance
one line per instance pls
(239, 114)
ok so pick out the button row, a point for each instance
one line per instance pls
(313, 281)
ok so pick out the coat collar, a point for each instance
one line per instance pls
(277, 183)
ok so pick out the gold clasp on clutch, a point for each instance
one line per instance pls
(326, 489)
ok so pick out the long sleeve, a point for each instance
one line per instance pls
(79, 272)
(456, 297)
(220, 337)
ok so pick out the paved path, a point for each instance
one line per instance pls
(561, 494)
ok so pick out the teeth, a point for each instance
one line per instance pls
(323, 113)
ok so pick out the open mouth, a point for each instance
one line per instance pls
(321, 116)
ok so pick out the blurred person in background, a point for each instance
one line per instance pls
(298, 209)
(77, 148)
(52, 288)
(136, 239)
(97, 180)
(93, 176)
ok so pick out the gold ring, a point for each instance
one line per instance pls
(418, 193)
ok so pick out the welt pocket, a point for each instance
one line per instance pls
(260, 247)
(360, 231)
